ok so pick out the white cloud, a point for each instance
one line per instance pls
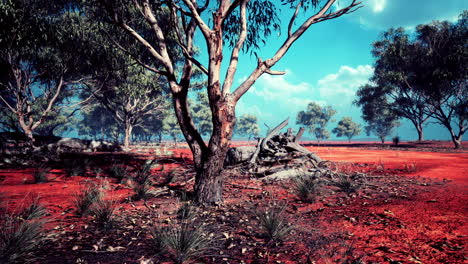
(339, 88)
(383, 14)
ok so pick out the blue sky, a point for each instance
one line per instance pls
(332, 59)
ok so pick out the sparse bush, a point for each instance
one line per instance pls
(184, 241)
(21, 234)
(273, 222)
(40, 174)
(89, 195)
(306, 188)
(104, 213)
(346, 184)
(396, 140)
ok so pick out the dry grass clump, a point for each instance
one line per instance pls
(89, 195)
(21, 232)
(273, 222)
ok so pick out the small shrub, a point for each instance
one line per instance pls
(21, 234)
(346, 184)
(40, 174)
(306, 188)
(104, 213)
(89, 195)
(141, 182)
(118, 172)
(183, 241)
(396, 140)
(76, 168)
(273, 222)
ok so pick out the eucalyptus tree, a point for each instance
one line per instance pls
(97, 122)
(316, 119)
(376, 111)
(130, 95)
(38, 71)
(346, 127)
(246, 125)
(171, 127)
(396, 62)
(227, 28)
(442, 50)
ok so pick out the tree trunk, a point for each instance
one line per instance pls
(420, 133)
(128, 134)
(457, 141)
(383, 140)
(209, 179)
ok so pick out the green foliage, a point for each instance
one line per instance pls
(98, 123)
(171, 127)
(273, 222)
(187, 211)
(376, 111)
(346, 127)
(316, 118)
(247, 125)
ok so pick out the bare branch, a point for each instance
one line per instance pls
(231, 71)
(196, 15)
(293, 18)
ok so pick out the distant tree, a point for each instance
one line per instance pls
(247, 125)
(98, 123)
(37, 70)
(171, 127)
(316, 118)
(202, 114)
(424, 76)
(130, 94)
(376, 111)
(346, 127)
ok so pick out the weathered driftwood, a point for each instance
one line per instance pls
(277, 156)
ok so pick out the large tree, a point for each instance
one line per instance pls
(240, 25)
(376, 111)
(316, 119)
(346, 127)
(442, 49)
(424, 75)
(38, 71)
(396, 60)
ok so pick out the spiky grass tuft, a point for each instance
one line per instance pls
(346, 184)
(273, 222)
(184, 241)
(89, 195)
(40, 174)
(141, 182)
(118, 172)
(21, 234)
(104, 213)
(306, 188)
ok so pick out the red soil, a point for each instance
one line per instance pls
(420, 221)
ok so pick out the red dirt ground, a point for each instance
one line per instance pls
(418, 214)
